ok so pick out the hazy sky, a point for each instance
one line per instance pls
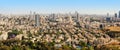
(62, 6)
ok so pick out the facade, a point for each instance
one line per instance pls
(108, 19)
(119, 14)
(77, 16)
(37, 20)
(115, 15)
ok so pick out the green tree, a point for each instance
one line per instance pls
(4, 48)
(83, 44)
(0, 33)
(91, 48)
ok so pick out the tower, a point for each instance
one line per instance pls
(37, 20)
(107, 14)
(115, 15)
(53, 15)
(77, 16)
(108, 18)
(119, 14)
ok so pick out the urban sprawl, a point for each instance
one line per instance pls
(71, 29)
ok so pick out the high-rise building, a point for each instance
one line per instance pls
(53, 15)
(115, 15)
(119, 14)
(107, 14)
(108, 19)
(77, 16)
(31, 17)
(37, 20)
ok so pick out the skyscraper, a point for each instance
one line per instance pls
(53, 15)
(115, 15)
(37, 20)
(108, 18)
(107, 14)
(77, 16)
(119, 14)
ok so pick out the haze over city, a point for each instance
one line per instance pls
(59, 25)
(59, 6)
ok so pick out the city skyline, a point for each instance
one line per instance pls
(59, 6)
(59, 25)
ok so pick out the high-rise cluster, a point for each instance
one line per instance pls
(117, 16)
